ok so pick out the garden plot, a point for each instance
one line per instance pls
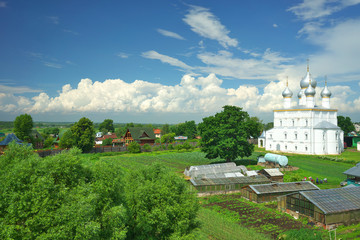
(259, 217)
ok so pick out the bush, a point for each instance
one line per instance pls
(170, 147)
(134, 147)
(107, 142)
(156, 148)
(147, 147)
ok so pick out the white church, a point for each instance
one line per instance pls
(306, 128)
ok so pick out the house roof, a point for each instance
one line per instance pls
(9, 138)
(354, 171)
(139, 133)
(157, 131)
(230, 180)
(113, 136)
(335, 200)
(273, 172)
(283, 187)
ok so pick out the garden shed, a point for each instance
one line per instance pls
(269, 192)
(225, 185)
(328, 207)
(220, 170)
(273, 174)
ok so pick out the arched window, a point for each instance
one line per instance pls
(306, 136)
(306, 148)
(295, 136)
(295, 147)
(285, 135)
(280, 123)
(285, 147)
(293, 122)
(306, 122)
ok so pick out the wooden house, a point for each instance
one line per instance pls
(141, 135)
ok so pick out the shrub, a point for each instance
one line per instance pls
(301, 234)
(147, 147)
(134, 147)
(170, 147)
(107, 142)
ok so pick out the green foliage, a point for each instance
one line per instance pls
(67, 140)
(160, 204)
(22, 126)
(134, 147)
(107, 142)
(57, 198)
(107, 125)
(170, 146)
(186, 146)
(165, 129)
(185, 129)
(167, 138)
(49, 141)
(268, 126)
(345, 124)
(226, 134)
(301, 234)
(51, 130)
(147, 147)
(83, 133)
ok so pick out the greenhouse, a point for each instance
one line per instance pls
(220, 170)
(270, 192)
(224, 185)
(328, 207)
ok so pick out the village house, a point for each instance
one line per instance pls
(141, 135)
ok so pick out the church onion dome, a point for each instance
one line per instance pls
(325, 93)
(306, 80)
(299, 94)
(287, 93)
(310, 91)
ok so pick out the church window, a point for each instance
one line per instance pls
(293, 122)
(270, 146)
(280, 123)
(323, 136)
(306, 149)
(295, 147)
(270, 135)
(285, 147)
(306, 136)
(306, 122)
(285, 135)
(295, 136)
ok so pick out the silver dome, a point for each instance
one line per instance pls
(299, 94)
(306, 80)
(287, 93)
(310, 91)
(325, 93)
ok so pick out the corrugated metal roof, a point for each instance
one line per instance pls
(213, 170)
(274, 172)
(354, 171)
(226, 181)
(335, 200)
(283, 187)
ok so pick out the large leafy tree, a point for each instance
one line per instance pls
(107, 125)
(187, 128)
(83, 134)
(226, 134)
(58, 198)
(67, 140)
(160, 204)
(23, 125)
(345, 124)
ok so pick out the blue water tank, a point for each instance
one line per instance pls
(276, 158)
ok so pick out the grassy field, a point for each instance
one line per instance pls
(218, 221)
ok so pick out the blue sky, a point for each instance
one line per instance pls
(171, 61)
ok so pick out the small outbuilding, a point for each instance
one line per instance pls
(10, 138)
(327, 208)
(208, 186)
(273, 174)
(270, 192)
(353, 175)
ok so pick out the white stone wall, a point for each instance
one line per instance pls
(294, 132)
